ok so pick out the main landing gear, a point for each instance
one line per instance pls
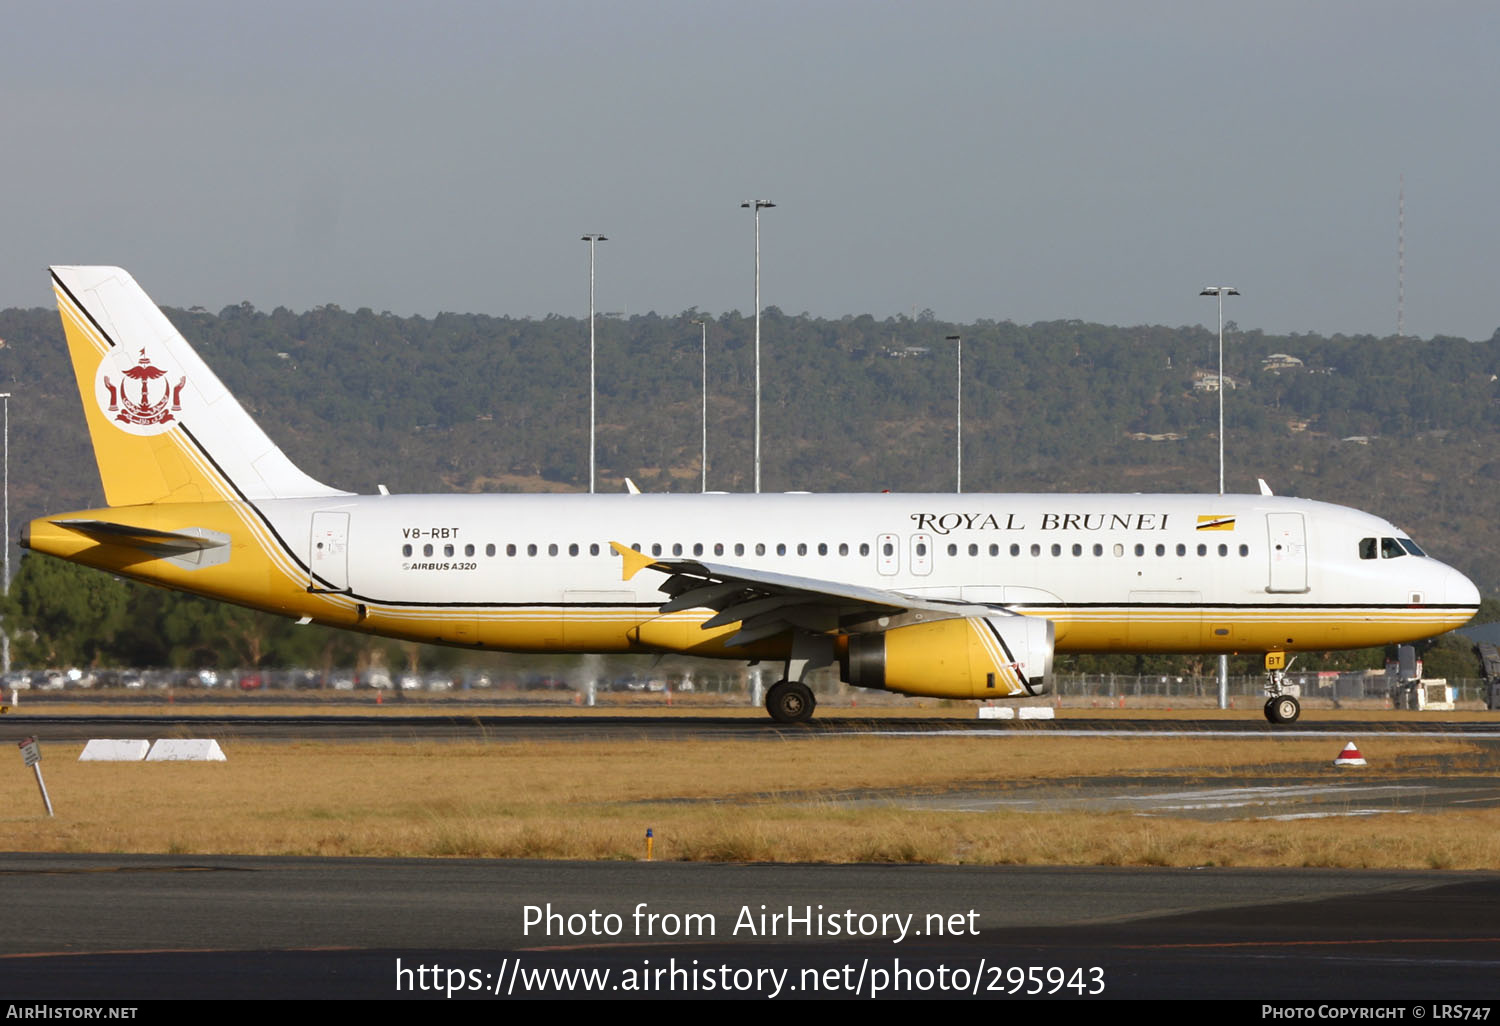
(1280, 708)
(790, 701)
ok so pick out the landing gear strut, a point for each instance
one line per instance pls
(1280, 707)
(790, 701)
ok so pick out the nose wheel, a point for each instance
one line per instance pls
(790, 701)
(1283, 709)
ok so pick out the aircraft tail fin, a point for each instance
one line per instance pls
(164, 428)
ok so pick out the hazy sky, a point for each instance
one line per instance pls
(1028, 161)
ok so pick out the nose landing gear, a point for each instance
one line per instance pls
(1281, 708)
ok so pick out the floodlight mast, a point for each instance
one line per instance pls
(757, 206)
(1221, 291)
(592, 240)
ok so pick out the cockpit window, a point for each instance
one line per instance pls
(1367, 548)
(1411, 546)
(1390, 548)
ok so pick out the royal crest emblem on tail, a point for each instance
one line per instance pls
(138, 395)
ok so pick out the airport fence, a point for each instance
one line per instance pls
(1336, 687)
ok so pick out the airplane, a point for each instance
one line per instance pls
(947, 595)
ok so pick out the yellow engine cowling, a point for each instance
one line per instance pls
(966, 657)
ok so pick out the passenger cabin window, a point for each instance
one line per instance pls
(406, 550)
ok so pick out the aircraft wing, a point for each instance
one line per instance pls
(766, 604)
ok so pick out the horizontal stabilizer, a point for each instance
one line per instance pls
(194, 539)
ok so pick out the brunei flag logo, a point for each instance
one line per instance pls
(1215, 523)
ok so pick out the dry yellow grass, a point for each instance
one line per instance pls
(736, 801)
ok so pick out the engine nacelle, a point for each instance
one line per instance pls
(963, 657)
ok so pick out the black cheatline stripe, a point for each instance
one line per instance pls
(265, 520)
(83, 309)
(1025, 680)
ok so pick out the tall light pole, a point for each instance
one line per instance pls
(592, 240)
(959, 462)
(703, 325)
(5, 585)
(757, 206)
(1221, 291)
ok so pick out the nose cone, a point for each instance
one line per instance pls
(1458, 590)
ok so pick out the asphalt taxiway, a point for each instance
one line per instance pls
(484, 727)
(140, 927)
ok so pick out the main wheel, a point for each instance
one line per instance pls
(1283, 709)
(790, 701)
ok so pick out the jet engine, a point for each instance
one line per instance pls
(963, 657)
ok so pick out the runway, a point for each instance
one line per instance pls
(140, 927)
(478, 727)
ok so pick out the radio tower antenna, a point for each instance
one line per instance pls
(1401, 261)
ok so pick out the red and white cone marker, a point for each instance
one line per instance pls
(1350, 756)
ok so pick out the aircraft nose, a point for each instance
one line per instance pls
(1458, 590)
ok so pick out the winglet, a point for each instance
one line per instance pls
(633, 562)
